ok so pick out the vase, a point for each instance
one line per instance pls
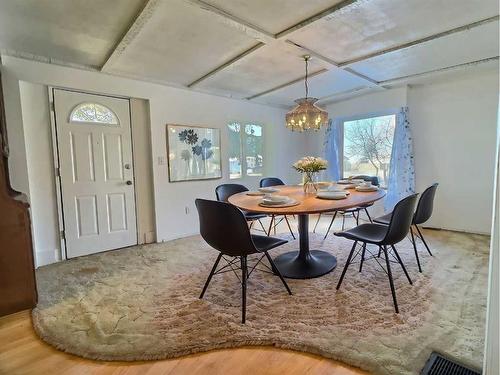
(309, 183)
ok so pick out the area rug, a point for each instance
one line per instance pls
(142, 303)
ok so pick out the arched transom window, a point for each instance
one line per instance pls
(93, 113)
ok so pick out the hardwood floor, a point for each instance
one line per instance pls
(22, 352)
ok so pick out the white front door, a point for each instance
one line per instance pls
(97, 179)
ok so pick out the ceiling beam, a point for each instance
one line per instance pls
(296, 80)
(267, 37)
(420, 41)
(330, 62)
(323, 14)
(345, 65)
(346, 94)
(404, 79)
(133, 30)
(240, 24)
(226, 64)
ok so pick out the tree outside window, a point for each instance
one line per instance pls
(246, 150)
(368, 146)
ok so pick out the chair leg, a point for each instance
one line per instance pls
(277, 271)
(362, 257)
(423, 239)
(415, 249)
(244, 277)
(251, 225)
(262, 226)
(210, 276)
(289, 227)
(331, 222)
(379, 252)
(347, 264)
(343, 221)
(315, 225)
(402, 265)
(368, 214)
(356, 217)
(270, 226)
(391, 281)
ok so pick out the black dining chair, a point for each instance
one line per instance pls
(375, 181)
(223, 227)
(269, 182)
(224, 191)
(383, 236)
(422, 214)
(355, 211)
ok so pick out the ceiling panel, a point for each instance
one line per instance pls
(332, 82)
(78, 31)
(467, 46)
(273, 15)
(179, 44)
(380, 24)
(266, 68)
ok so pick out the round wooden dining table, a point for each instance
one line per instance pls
(305, 263)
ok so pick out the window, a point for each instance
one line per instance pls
(246, 150)
(93, 113)
(368, 146)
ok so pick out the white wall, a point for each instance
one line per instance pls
(453, 125)
(143, 170)
(454, 131)
(42, 191)
(167, 105)
(492, 342)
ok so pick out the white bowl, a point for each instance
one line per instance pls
(332, 194)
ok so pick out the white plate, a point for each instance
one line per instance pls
(268, 202)
(371, 188)
(291, 202)
(255, 193)
(268, 190)
(354, 181)
(338, 189)
(331, 195)
(275, 199)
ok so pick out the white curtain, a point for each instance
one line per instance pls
(333, 153)
(402, 171)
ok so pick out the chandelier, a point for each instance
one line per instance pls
(306, 115)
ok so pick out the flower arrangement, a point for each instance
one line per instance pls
(308, 166)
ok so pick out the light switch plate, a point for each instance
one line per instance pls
(162, 160)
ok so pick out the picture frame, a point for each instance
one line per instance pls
(194, 153)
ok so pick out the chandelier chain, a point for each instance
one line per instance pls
(305, 81)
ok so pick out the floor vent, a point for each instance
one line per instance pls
(439, 365)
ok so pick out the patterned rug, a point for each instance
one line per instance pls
(142, 303)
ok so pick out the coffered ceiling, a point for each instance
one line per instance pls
(252, 50)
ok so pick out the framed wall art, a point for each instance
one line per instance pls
(193, 153)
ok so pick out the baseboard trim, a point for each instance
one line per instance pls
(46, 257)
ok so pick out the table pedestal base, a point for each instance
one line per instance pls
(315, 263)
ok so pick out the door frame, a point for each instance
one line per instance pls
(56, 163)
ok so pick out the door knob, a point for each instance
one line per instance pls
(129, 182)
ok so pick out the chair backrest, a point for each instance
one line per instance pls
(401, 220)
(271, 181)
(224, 228)
(425, 205)
(373, 179)
(224, 191)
